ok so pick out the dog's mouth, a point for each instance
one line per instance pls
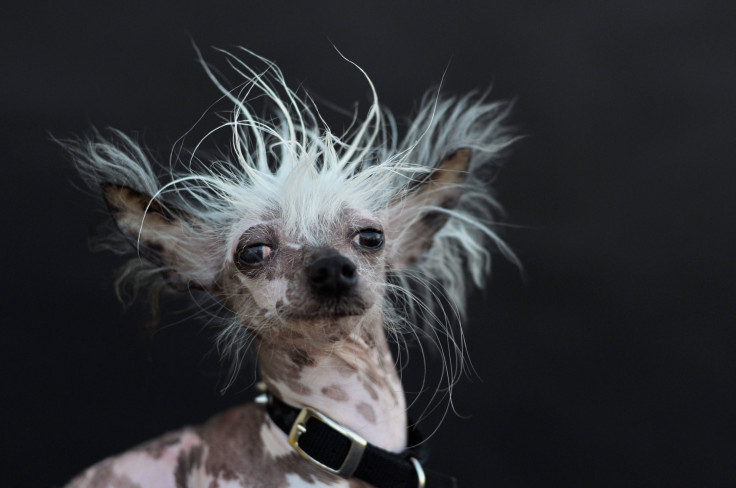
(326, 308)
(320, 302)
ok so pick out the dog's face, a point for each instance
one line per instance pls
(277, 277)
(299, 264)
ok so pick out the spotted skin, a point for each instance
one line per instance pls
(238, 448)
(355, 382)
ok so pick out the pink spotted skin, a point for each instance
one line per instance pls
(238, 448)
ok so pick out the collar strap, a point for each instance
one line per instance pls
(338, 450)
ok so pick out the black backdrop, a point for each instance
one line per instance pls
(612, 364)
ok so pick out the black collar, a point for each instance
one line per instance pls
(338, 450)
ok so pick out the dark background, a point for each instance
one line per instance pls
(613, 364)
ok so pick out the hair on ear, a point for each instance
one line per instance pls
(419, 214)
(445, 217)
(134, 213)
(178, 243)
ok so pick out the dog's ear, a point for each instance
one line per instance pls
(166, 236)
(417, 217)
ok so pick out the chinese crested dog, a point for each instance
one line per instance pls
(318, 247)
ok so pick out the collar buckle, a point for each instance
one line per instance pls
(357, 443)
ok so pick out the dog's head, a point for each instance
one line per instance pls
(299, 255)
(297, 230)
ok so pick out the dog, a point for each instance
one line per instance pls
(319, 246)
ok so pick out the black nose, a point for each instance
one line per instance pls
(332, 275)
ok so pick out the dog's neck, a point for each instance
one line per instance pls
(348, 377)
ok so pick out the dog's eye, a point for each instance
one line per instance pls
(253, 255)
(370, 239)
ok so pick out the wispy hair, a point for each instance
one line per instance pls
(289, 161)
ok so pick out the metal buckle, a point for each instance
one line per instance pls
(357, 443)
(421, 477)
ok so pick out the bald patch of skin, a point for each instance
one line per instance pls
(264, 295)
(371, 391)
(150, 464)
(186, 464)
(335, 392)
(301, 358)
(353, 380)
(287, 375)
(104, 476)
(157, 447)
(367, 412)
(230, 452)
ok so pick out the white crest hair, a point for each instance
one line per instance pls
(292, 162)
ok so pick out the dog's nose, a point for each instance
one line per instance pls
(332, 275)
